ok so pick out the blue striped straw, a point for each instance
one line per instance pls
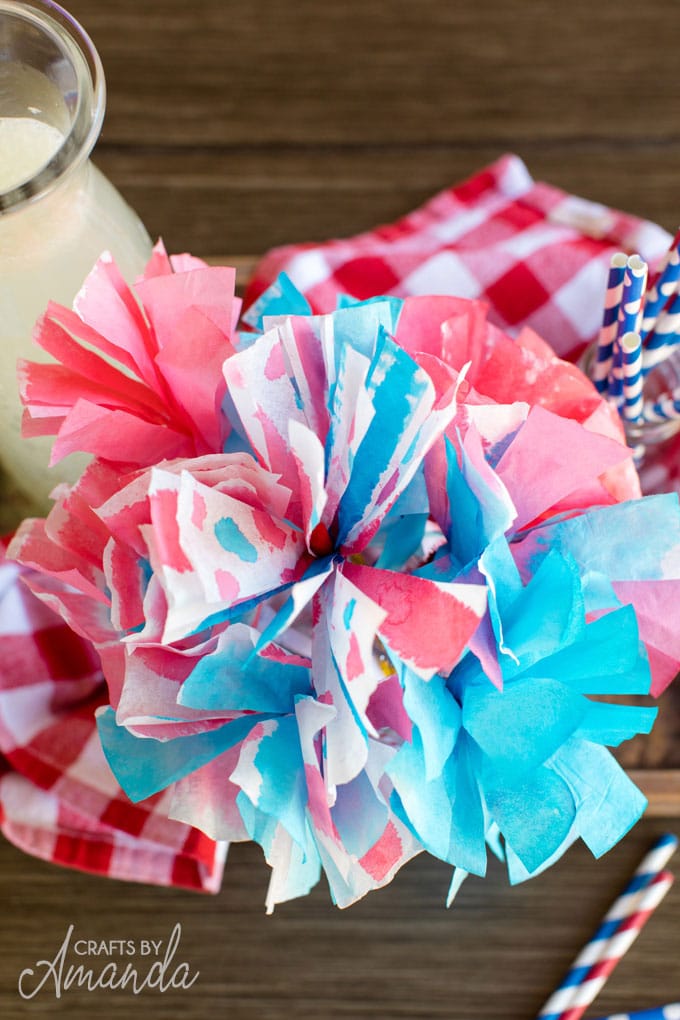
(630, 317)
(664, 336)
(666, 284)
(666, 408)
(610, 319)
(631, 358)
(596, 949)
(671, 1012)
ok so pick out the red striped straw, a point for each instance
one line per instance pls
(572, 1002)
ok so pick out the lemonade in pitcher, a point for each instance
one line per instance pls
(58, 213)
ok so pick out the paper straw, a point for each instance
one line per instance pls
(665, 285)
(670, 1012)
(631, 358)
(630, 317)
(610, 319)
(666, 334)
(614, 925)
(571, 1003)
(666, 408)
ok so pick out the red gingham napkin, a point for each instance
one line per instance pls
(535, 254)
(58, 797)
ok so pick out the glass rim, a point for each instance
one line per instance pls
(69, 35)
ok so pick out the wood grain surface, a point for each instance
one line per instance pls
(232, 127)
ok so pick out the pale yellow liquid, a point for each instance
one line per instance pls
(47, 247)
(26, 145)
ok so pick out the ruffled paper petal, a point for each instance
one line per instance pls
(620, 667)
(233, 679)
(427, 624)
(354, 622)
(281, 298)
(346, 737)
(405, 425)
(270, 774)
(521, 727)
(534, 833)
(612, 724)
(603, 541)
(436, 714)
(295, 872)
(545, 615)
(445, 813)
(266, 401)
(131, 388)
(479, 508)
(658, 628)
(206, 798)
(144, 767)
(608, 802)
(535, 471)
(215, 554)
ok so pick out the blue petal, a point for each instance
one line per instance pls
(466, 535)
(433, 709)
(395, 305)
(446, 813)
(612, 724)
(283, 791)
(468, 827)
(603, 540)
(479, 513)
(361, 326)
(304, 865)
(402, 539)
(547, 615)
(522, 726)
(233, 679)
(609, 659)
(397, 385)
(144, 766)
(426, 807)
(608, 802)
(281, 298)
(534, 815)
(404, 527)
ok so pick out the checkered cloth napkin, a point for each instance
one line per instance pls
(58, 797)
(537, 255)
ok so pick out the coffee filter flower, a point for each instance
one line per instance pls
(139, 372)
(369, 620)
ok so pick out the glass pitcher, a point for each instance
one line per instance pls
(57, 211)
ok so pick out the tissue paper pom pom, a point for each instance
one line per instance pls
(140, 370)
(375, 629)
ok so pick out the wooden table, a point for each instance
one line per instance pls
(234, 127)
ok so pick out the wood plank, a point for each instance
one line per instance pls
(247, 201)
(384, 71)
(661, 787)
(397, 955)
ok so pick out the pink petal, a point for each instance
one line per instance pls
(536, 471)
(428, 623)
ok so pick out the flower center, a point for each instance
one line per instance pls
(320, 541)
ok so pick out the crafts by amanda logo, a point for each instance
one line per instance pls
(131, 965)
